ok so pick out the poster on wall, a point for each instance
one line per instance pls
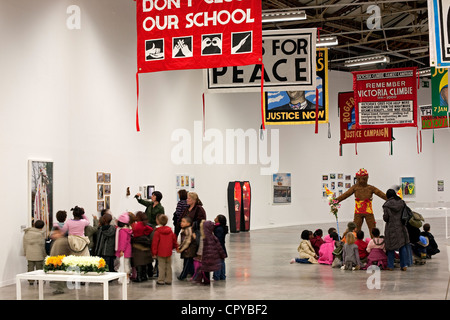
(439, 35)
(281, 184)
(385, 98)
(347, 120)
(40, 181)
(440, 185)
(408, 186)
(299, 107)
(289, 64)
(176, 35)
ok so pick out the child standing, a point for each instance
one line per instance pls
(123, 244)
(164, 241)
(210, 253)
(105, 245)
(350, 254)
(34, 246)
(187, 248)
(305, 250)
(220, 231)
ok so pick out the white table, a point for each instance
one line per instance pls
(72, 280)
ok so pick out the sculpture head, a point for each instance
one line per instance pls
(362, 176)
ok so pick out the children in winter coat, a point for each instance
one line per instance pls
(362, 245)
(34, 246)
(305, 250)
(375, 248)
(187, 248)
(220, 231)
(350, 254)
(326, 249)
(316, 240)
(105, 244)
(123, 244)
(164, 241)
(210, 253)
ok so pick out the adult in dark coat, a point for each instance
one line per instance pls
(195, 211)
(395, 234)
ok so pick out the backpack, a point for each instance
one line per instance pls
(406, 215)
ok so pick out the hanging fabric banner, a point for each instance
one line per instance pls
(194, 34)
(385, 98)
(289, 64)
(301, 107)
(439, 91)
(349, 132)
(429, 121)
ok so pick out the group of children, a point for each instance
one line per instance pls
(354, 252)
(129, 244)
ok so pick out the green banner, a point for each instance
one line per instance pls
(439, 92)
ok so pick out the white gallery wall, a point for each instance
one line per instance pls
(69, 96)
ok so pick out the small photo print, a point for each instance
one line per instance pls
(332, 175)
(100, 177)
(107, 202)
(340, 176)
(324, 177)
(154, 49)
(348, 177)
(241, 42)
(211, 44)
(107, 189)
(182, 47)
(100, 206)
(100, 191)
(348, 185)
(107, 177)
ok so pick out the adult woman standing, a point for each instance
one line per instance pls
(154, 206)
(195, 210)
(395, 234)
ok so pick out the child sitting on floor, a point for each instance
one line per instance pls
(326, 250)
(305, 250)
(377, 253)
(350, 254)
(362, 246)
(316, 240)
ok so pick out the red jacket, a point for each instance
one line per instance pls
(164, 241)
(141, 229)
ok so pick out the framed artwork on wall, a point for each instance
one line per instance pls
(107, 189)
(107, 202)
(100, 206)
(107, 177)
(100, 191)
(281, 188)
(100, 177)
(40, 194)
(408, 186)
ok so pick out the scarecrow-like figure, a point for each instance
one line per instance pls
(363, 200)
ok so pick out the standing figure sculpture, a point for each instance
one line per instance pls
(363, 200)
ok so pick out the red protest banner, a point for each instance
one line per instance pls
(349, 132)
(385, 98)
(197, 34)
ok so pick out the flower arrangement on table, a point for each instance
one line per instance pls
(81, 264)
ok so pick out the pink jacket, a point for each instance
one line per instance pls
(326, 251)
(123, 242)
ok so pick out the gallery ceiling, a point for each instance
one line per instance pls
(401, 33)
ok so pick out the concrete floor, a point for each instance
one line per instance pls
(258, 268)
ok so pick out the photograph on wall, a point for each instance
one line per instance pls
(107, 202)
(440, 185)
(100, 206)
(40, 177)
(107, 178)
(281, 183)
(408, 186)
(107, 189)
(100, 177)
(299, 107)
(100, 191)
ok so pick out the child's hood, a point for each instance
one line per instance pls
(164, 230)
